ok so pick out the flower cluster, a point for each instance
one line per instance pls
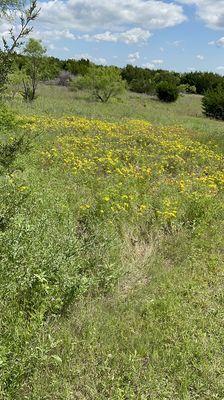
(134, 167)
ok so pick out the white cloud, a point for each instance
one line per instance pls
(53, 34)
(157, 62)
(200, 57)
(154, 64)
(210, 11)
(90, 15)
(130, 36)
(149, 66)
(100, 60)
(133, 58)
(221, 68)
(219, 42)
(4, 28)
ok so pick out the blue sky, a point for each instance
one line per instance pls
(179, 35)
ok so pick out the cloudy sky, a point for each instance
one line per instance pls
(173, 34)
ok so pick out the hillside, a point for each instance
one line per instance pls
(112, 251)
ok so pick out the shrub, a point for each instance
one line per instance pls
(28, 94)
(167, 91)
(146, 86)
(213, 104)
(185, 88)
(191, 89)
(103, 82)
(64, 78)
(14, 85)
(7, 118)
(11, 148)
(13, 193)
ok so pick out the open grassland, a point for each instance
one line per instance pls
(59, 101)
(112, 252)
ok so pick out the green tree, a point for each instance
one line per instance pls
(213, 104)
(35, 52)
(203, 81)
(103, 82)
(77, 67)
(27, 15)
(146, 86)
(14, 84)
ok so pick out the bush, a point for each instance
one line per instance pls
(10, 149)
(146, 86)
(185, 88)
(7, 118)
(191, 89)
(167, 91)
(213, 104)
(28, 94)
(103, 82)
(64, 78)
(14, 85)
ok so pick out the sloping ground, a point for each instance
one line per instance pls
(112, 264)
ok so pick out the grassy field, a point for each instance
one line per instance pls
(59, 101)
(112, 251)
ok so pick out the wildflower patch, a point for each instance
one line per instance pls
(134, 168)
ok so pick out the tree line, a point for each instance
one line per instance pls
(31, 65)
(139, 80)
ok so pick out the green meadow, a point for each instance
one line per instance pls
(111, 231)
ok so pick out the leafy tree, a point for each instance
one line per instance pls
(50, 68)
(14, 84)
(203, 81)
(144, 80)
(35, 51)
(167, 76)
(103, 82)
(131, 73)
(77, 67)
(143, 85)
(134, 74)
(27, 16)
(213, 104)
